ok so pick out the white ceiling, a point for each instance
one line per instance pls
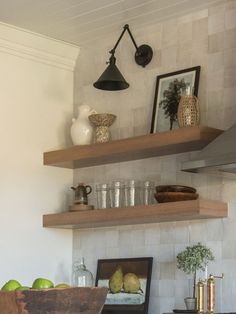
(80, 21)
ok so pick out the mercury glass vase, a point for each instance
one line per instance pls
(188, 109)
(102, 122)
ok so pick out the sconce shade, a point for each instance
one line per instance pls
(111, 79)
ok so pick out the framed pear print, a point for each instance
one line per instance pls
(128, 283)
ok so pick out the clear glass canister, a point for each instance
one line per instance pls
(117, 194)
(103, 195)
(82, 277)
(147, 192)
(132, 193)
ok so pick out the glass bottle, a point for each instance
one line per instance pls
(82, 277)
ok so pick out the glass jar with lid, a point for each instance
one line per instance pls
(82, 277)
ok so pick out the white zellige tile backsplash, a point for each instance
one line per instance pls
(205, 38)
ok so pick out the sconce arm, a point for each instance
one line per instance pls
(143, 53)
(126, 28)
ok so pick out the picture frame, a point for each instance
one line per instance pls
(167, 96)
(125, 301)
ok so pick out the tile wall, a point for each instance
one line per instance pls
(206, 38)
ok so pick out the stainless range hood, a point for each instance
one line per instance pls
(219, 157)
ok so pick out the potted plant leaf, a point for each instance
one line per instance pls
(190, 260)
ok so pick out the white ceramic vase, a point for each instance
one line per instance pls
(81, 130)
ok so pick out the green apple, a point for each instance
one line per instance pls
(42, 283)
(23, 288)
(11, 285)
(62, 285)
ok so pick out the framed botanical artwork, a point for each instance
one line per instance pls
(128, 282)
(169, 88)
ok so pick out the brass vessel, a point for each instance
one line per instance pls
(200, 296)
(211, 293)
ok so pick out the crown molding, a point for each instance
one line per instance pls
(32, 46)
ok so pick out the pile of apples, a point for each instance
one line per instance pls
(39, 283)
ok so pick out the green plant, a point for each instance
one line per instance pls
(171, 100)
(194, 258)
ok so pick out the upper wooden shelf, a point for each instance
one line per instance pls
(174, 211)
(158, 144)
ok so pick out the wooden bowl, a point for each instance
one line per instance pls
(164, 197)
(175, 188)
(51, 301)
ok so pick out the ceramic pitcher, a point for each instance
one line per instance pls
(81, 193)
(81, 129)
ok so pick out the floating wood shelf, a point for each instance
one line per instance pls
(158, 144)
(174, 211)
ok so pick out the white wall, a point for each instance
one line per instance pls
(205, 38)
(36, 101)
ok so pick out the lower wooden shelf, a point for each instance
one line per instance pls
(175, 211)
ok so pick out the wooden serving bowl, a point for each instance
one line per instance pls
(53, 301)
(164, 197)
(175, 188)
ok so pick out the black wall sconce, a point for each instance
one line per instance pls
(111, 79)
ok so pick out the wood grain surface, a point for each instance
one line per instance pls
(172, 211)
(158, 144)
(53, 301)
